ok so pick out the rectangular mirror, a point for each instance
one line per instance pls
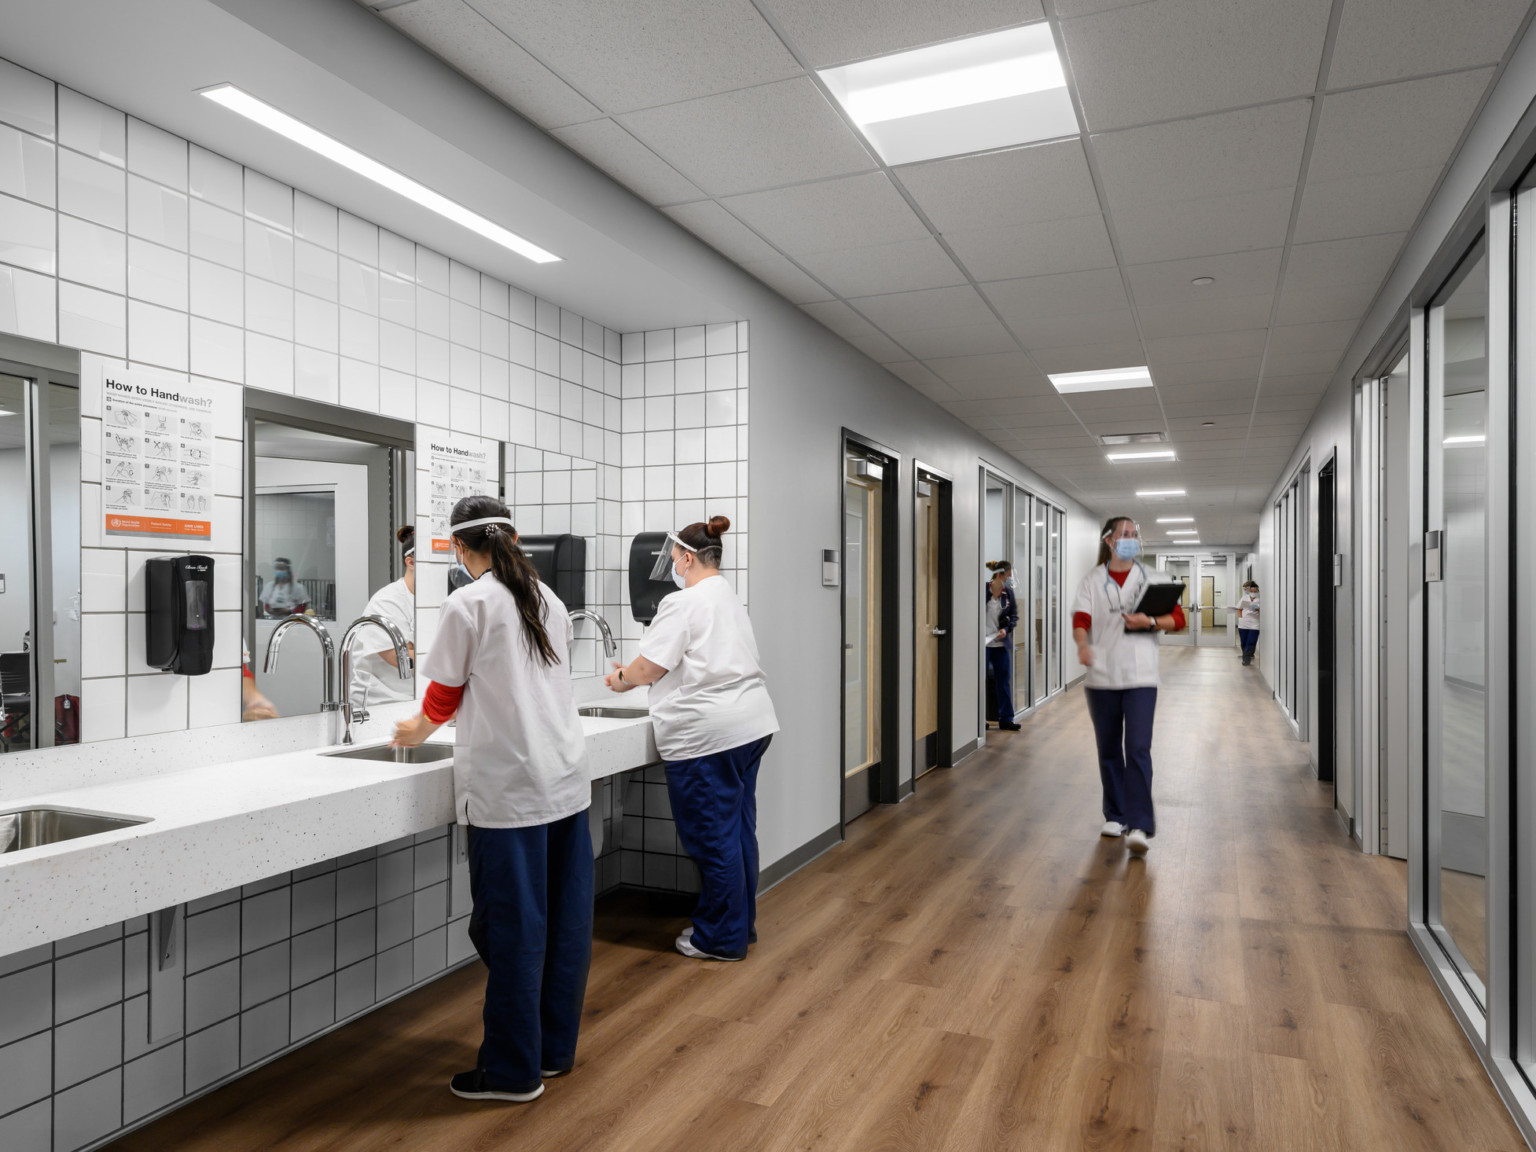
(328, 492)
(39, 552)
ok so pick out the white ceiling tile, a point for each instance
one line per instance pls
(1066, 294)
(1201, 226)
(827, 34)
(1331, 338)
(628, 56)
(988, 389)
(611, 148)
(1394, 127)
(1075, 331)
(1208, 409)
(1299, 363)
(722, 231)
(456, 33)
(1011, 366)
(788, 281)
(1204, 393)
(831, 214)
(1315, 305)
(1066, 9)
(903, 266)
(1362, 260)
(752, 138)
(1172, 58)
(1217, 313)
(1044, 410)
(1284, 402)
(880, 348)
(1382, 40)
(1362, 205)
(1235, 273)
(1004, 189)
(903, 312)
(1086, 359)
(933, 343)
(1222, 346)
(1206, 371)
(1074, 245)
(916, 373)
(840, 318)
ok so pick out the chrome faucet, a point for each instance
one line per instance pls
(329, 702)
(402, 661)
(609, 647)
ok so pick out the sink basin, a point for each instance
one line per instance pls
(35, 827)
(606, 712)
(421, 754)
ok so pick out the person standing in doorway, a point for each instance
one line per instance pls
(713, 720)
(1118, 646)
(1002, 619)
(1248, 621)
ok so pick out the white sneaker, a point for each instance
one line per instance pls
(685, 946)
(1136, 840)
(1112, 828)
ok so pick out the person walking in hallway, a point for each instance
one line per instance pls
(1248, 621)
(1002, 619)
(1118, 647)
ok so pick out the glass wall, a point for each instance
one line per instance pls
(1027, 531)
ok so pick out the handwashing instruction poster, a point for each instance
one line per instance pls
(459, 466)
(157, 456)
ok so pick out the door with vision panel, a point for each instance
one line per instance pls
(871, 748)
(931, 690)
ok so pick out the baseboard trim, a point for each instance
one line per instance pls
(964, 750)
(787, 865)
(903, 790)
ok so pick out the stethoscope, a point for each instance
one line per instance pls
(1110, 587)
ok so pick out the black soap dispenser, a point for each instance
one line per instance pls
(178, 618)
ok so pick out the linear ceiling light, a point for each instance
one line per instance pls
(1161, 454)
(1102, 380)
(1183, 532)
(243, 103)
(1155, 492)
(1462, 441)
(1175, 519)
(991, 91)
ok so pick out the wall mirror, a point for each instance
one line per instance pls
(328, 491)
(40, 599)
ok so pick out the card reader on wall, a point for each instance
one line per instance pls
(178, 618)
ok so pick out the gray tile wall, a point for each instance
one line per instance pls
(263, 969)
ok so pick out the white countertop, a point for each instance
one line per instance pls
(219, 825)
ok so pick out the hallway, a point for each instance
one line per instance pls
(973, 969)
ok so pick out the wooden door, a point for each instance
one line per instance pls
(925, 641)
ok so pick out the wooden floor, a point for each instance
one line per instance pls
(974, 969)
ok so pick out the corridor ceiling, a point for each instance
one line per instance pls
(1283, 148)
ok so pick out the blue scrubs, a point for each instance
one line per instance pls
(1122, 725)
(714, 806)
(1249, 638)
(532, 925)
(1000, 664)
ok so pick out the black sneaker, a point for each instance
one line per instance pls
(1009, 727)
(472, 1086)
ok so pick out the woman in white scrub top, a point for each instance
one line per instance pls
(375, 675)
(1118, 646)
(713, 719)
(499, 662)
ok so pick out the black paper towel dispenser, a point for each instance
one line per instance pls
(645, 594)
(178, 616)
(561, 561)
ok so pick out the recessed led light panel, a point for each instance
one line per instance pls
(1161, 454)
(1102, 380)
(991, 91)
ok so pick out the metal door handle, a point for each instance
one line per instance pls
(940, 631)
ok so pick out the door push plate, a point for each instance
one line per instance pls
(1434, 546)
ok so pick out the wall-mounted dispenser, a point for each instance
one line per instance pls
(562, 564)
(645, 594)
(178, 617)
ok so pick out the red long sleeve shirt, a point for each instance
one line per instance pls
(1084, 621)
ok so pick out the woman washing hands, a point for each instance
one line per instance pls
(1121, 685)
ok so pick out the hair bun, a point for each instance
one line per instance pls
(718, 526)
(405, 533)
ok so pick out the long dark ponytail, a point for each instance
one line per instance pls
(511, 566)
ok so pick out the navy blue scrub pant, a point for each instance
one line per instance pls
(1122, 726)
(714, 805)
(1249, 638)
(1001, 667)
(532, 925)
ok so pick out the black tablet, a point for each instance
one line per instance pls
(1159, 599)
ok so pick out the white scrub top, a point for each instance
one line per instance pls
(714, 696)
(519, 758)
(371, 673)
(1248, 613)
(1121, 659)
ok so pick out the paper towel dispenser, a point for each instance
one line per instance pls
(178, 614)
(562, 564)
(645, 594)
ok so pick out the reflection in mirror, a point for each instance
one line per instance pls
(39, 509)
(325, 548)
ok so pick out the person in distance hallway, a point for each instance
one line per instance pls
(1247, 610)
(1118, 646)
(520, 783)
(713, 720)
(1002, 619)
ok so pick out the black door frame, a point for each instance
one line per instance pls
(1327, 621)
(944, 737)
(884, 774)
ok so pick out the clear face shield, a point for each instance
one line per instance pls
(1124, 540)
(662, 569)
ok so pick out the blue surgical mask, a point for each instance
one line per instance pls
(677, 577)
(1127, 548)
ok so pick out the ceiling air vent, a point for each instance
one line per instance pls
(1133, 438)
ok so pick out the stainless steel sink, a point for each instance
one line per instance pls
(607, 712)
(34, 827)
(421, 754)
